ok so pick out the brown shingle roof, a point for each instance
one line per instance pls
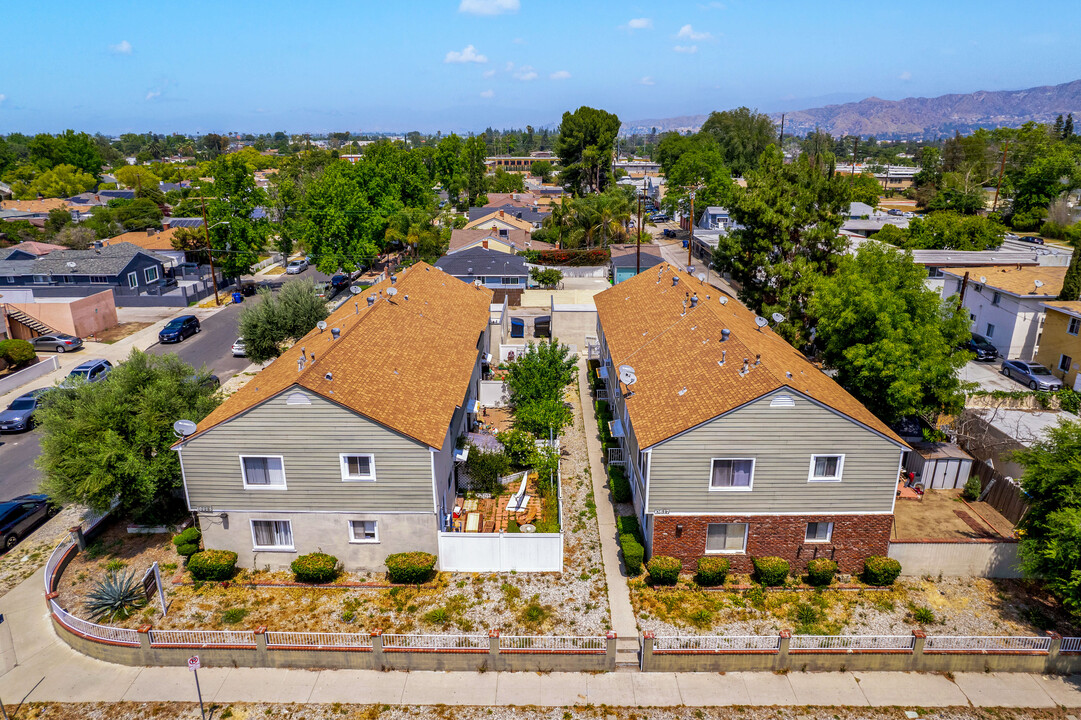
(405, 363)
(489, 220)
(463, 238)
(36, 248)
(36, 206)
(675, 357)
(161, 240)
(1014, 280)
(1070, 307)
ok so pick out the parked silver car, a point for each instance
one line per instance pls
(295, 267)
(20, 413)
(238, 348)
(56, 343)
(1034, 375)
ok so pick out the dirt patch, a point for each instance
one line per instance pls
(33, 552)
(118, 332)
(943, 515)
(276, 270)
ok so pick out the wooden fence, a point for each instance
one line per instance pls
(1000, 492)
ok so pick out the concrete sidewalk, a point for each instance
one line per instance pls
(66, 676)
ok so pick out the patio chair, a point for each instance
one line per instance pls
(518, 500)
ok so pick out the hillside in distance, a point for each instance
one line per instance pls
(914, 118)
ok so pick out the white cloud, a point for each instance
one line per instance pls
(153, 94)
(121, 48)
(489, 73)
(690, 33)
(688, 49)
(560, 75)
(3, 98)
(509, 66)
(647, 80)
(639, 24)
(906, 75)
(468, 55)
(488, 93)
(525, 73)
(488, 7)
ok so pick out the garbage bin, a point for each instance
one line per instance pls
(684, 243)
(238, 297)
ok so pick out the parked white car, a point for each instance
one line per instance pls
(238, 348)
(295, 267)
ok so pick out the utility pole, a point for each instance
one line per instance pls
(209, 251)
(638, 243)
(780, 140)
(1001, 169)
(855, 147)
(690, 228)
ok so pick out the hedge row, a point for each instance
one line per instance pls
(618, 484)
(410, 568)
(315, 568)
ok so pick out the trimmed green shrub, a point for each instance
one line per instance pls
(628, 525)
(513, 527)
(664, 570)
(712, 571)
(633, 554)
(315, 568)
(879, 570)
(410, 568)
(972, 490)
(187, 550)
(770, 571)
(820, 572)
(212, 565)
(619, 485)
(17, 352)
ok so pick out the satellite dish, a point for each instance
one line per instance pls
(356, 290)
(322, 325)
(778, 318)
(71, 263)
(392, 291)
(724, 300)
(184, 428)
(478, 283)
(760, 321)
(983, 278)
(1039, 283)
(701, 277)
(626, 375)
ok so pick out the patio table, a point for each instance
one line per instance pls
(472, 522)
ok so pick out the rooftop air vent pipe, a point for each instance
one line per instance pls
(724, 334)
(746, 367)
(757, 360)
(371, 300)
(393, 279)
(335, 333)
(694, 301)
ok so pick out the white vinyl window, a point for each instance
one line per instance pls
(509, 280)
(263, 471)
(731, 474)
(1075, 326)
(363, 531)
(41, 279)
(272, 534)
(819, 532)
(358, 466)
(726, 537)
(826, 468)
(151, 274)
(133, 279)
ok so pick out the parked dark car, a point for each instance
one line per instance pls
(90, 371)
(179, 328)
(660, 217)
(981, 348)
(1034, 239)
(59, 342)
(186, 268)
(340, 282)
(209, 381)
(669, 232)
(20, 413)
(20, 515)
(1034, 375)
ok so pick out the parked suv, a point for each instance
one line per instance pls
(58, 342)
(18, 517)
(1034, 375)
(179, 328)
(20, 413)
(91, 371)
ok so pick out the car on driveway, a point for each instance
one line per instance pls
(179, 328)
(340, 282)
(295, 267)
(238, 348)
(20, 413)
(20, 515)
(58, 342)
(1034, 375)
(90, 371)
(1034, 239)
(981, 348)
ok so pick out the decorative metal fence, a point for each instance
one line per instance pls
(615, 456)
(123, 636)
(200, 638)
(851, 642)
(319, 640)
(435, 642)
(1071, 644)
(961, 643)
(54, 559)
(553, 644)
(716, 643)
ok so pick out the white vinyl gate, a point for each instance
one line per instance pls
(501, 552)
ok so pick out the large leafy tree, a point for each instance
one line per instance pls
(693, 163)
(1050, 532)
(136, 177)
(290, 314)
(893, 342)
(586, 141)
(234, 198)
(109, 441)
(742, 135)
(449, 171)
(474, 153)
(80, 150)
(138, 214)
(790, 215)
(63, 181)
(1045, 179)
(945, 231)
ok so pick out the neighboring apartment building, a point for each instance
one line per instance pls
(505, 241)
(126, 269)
(345, 444)
(506, 275)
(733, 442)
(499, 220)
(629, 259)
(936, 260)
(1060, 344)
(1005, 304)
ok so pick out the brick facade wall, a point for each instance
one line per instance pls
(855, 537)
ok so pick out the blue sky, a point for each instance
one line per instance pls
(466, 64)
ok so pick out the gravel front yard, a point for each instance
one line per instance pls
(948, 606)
(573, 603)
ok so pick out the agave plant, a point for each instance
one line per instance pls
(115, 596)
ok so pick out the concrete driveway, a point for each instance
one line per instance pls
(988, 376)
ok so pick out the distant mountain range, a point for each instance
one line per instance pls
(912, 118)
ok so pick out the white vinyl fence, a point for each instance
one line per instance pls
(501, 552)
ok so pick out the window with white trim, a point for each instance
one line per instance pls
(363, 531)
(41, 279)
(151, 274)
(731, 474)
(263, 471)
(272, 534)
(133, 279)
(509, 280)
(826, 468)
(1064, 362)
(1075, 326)
(726, 537)
(819, 532)
(990, 331)
(358, 466)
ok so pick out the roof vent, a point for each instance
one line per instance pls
(694, 301)
(782, 401)
(298, 398)
(724, 334)
(335, 333)
(300, 363)
(328, 377)
(371, 300)
(788, 374)
(393, 279)
(746, 367)
(683, 391)
(675, 280)
(757, 360)
(724, 355)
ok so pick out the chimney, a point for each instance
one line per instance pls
(500, 214)
(335, 333)
(149, 231)
(484, 244)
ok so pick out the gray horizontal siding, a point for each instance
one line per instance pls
(782, 441)
(310, 438)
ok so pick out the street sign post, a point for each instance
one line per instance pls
(152, 584)
(193, 665)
